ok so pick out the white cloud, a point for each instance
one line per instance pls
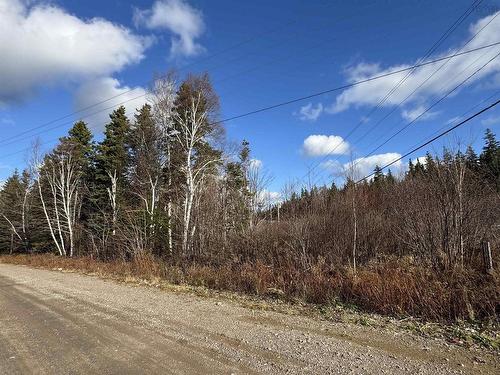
(490, 84)
(362, 167)
(102, 89)
(361, 71)
(181, 19)
(42, 44)
(266, 198)
(310, 112)
(255, 163)
(421, 159)
(490, 121)
(365, 166)
(418, 114)
(320, 145)
(371, 93)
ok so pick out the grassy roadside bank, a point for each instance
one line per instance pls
(258, 287)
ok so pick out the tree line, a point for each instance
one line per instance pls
(167, 185)
(439, 212)
(161, 182)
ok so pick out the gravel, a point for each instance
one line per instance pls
(58, 323)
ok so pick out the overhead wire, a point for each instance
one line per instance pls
(320, 93)
(127, 91)
(419, 147)
(429, 52)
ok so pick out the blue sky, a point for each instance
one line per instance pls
(60, 56)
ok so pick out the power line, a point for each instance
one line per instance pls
(356, 83)
(432, 139)
(436, 102)
(182, 68)
(186, 66)
(246, 41)
(430, 107)
(433, 48)
(424, 82)
(13, 138)
(429, 52)
(317, 94)
(462, 115)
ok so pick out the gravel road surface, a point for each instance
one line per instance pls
(66, 323)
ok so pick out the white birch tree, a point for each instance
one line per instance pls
(61, 205)
(190, 135)
(162, 98)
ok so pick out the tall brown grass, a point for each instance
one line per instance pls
(392, 287)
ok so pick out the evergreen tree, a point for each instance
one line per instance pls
(113, 158)
(11, 201)
(411, 169)
(236, 188)
(430, 164)
(145, 149)
(79, 142)
(471, 159)
(448, 157)
(378, 176)
(490, 159)
(304, 193)
(22, 224)
(144, 137)
(80, 138)
(193, 89)
(110, 188)
(390, 177)
(146, 172)
(419, 169)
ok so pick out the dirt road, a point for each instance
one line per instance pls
(66, 323)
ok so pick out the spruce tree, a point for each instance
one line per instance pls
(11, 201)
(144, 140)
(146, 175)
(235, 188)
(419, 168)
(390, 177)
(112, 157)
(378, 176)
(411, 168)
(490, 159)
(145, 149)
(80, 137)
(110, 188)
(471, 159)
(430, 165)
(79, 142)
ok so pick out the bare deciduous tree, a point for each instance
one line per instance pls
(60, 173)
(189, 136)
(259, 198)
(162, 99)
(112, 194)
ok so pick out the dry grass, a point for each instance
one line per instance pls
(389, 288)
(332, 295)
(392, 290)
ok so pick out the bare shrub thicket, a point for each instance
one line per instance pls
(160, 196)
